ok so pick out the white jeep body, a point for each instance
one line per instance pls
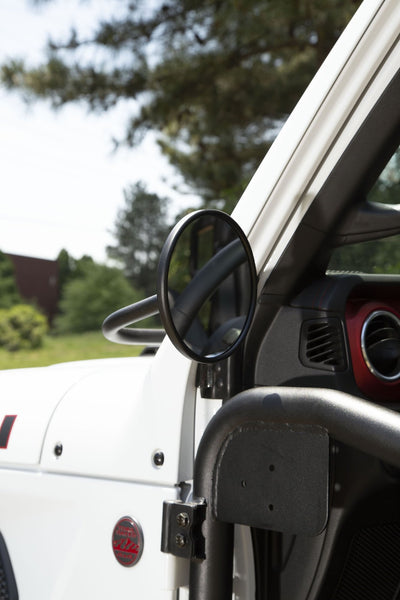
(80, 453)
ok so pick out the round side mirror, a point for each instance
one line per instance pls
(206, 285)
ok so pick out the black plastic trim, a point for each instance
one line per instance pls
(368, 221)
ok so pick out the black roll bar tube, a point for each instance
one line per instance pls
(115, 326)
(356, 422)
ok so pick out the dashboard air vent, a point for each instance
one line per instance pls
(380, 344)
(322, 345)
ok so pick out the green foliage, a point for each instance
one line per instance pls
(140, 230)
(21, 327)
(88, 299)
(380, 256)
(214, 80)
(8, 288)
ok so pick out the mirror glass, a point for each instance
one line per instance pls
(206, 285)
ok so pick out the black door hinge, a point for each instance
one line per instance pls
(181, 529)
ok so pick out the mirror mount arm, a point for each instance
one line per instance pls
(115, 326)
(204, 283)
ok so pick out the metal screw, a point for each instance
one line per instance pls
(182, 519)
(158, 458)
(58, 449)
(180, 540)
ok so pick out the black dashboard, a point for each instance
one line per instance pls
(341, 332)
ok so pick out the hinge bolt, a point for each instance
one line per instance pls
(180, 540)
(182, 519)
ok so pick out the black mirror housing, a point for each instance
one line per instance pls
(206, 286)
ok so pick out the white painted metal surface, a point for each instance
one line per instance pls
(33, 395)
(57, 513)
(112, 423)
(59, 537)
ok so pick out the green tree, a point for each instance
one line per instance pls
(65, 268)
(9, 295)
(70, 268)
(213, 79)
(88, 299)
(140, 230)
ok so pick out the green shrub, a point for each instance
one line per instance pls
(21, 327)
(88, 299)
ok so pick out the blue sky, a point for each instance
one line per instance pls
(61, 185)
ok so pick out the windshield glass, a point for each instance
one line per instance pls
(378, 256)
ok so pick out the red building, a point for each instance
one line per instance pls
(37, 281)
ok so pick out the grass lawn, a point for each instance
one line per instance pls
(65, 348)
